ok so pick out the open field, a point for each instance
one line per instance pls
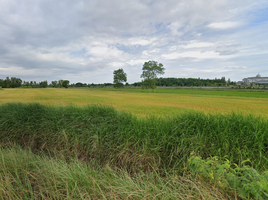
(144, 102)
(56, 145)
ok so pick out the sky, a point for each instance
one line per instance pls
(85, 41)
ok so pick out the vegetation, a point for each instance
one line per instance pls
(143, 103)
(150, 71)
(12, 82)
(97, 152)
(244, 181)
(65, 83)
(189, 82)
(119, 77)
(25, 175)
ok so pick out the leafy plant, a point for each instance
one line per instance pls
(242, 181)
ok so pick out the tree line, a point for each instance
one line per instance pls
(14, 82)
(150, 71)
(189, 82)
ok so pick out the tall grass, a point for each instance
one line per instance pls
(110, 137)
(24, 175)
(96, 152)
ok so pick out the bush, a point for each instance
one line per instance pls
(243, 181)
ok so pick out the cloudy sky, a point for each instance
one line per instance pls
(85, 41)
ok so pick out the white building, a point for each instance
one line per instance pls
(255, 80)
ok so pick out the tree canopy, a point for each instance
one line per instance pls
(119, 77)
(150, 71)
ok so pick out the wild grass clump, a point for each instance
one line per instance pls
(24, 175)
(107, 136)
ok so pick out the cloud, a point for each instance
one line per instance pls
(86, 40)
(194, 44)
(224, 25)
(191, 54)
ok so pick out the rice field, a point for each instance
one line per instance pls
(164, 102)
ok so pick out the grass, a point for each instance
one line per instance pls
(106, 133)
(27, 176)
(143, 103)
(65, 150)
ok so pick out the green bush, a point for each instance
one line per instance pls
(243, 181)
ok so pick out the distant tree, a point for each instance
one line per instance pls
(65, 83)
(60, 83)
(7, 82)
(223, 81)
(15, 82)
(43, 84)
(79, 84)
(119, 77)
(54, 83)
(2, 83)
(229, 81)
(150, 71)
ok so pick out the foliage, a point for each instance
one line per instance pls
(189, 82)
(119, 77)
(150, 71)
(24, 86)
(243, 181)
(43, 84)
(65, 83)
(79, 84)
(12, 82)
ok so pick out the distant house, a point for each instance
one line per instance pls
(255, 80)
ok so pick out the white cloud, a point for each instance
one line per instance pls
(86, 40)
(136, 62)
(194, 44)
(224, 25)
(191, 54)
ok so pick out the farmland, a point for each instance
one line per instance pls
(133, 144)
(163, 102)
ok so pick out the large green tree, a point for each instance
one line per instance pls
(150, 71)
(119, 77)
(65, 83)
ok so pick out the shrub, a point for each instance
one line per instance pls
(244, 181)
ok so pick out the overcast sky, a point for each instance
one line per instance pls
(85, 41)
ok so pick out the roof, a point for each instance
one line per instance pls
(256, 77)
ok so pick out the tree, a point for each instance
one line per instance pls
(229, 81)
(60, 83)
(65, 83)
(43, 84)
(150, 71)
(119, 77)
(54, 83)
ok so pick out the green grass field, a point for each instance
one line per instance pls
(144, 102)
(211, 144)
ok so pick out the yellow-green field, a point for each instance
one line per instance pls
(144, 102)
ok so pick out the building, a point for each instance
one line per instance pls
(258, 80)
